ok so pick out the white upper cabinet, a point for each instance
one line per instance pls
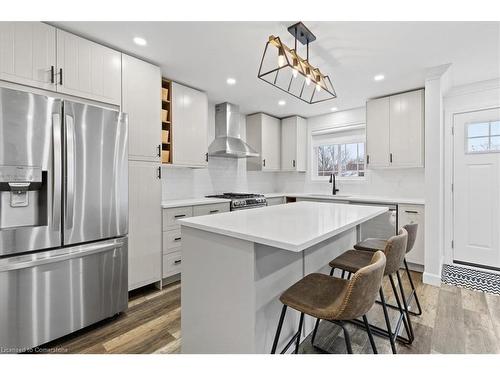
(377, 133)
(407, 129)
(395, 131)
(28, 53)
(141, 101)
(190, 125)
(264, 135)
(87, 69)
(293, 144)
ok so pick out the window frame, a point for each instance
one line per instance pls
(489, 136)
(314, 154)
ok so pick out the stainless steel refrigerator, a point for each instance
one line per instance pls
(63, 217)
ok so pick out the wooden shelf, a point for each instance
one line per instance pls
(167, 125)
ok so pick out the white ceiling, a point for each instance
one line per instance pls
(204, 54)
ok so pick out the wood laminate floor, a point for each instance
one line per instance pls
(454, 320)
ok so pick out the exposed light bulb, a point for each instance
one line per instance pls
(295, 70)
(281, 57)
(318, 80)
(308, 80)
(318, 87)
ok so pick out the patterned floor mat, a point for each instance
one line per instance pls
(468, 278)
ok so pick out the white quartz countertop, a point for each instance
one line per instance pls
(293, 227)
(350, 197)
(192, 202)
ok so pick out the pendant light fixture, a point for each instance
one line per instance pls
(283, 68)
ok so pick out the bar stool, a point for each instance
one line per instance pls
(395, 249)
(376, 244)
(334, 299)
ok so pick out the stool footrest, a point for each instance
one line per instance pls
(294, 337)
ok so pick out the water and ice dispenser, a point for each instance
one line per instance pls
(23, 196)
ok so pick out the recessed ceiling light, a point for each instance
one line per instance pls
(333, 109)
(140, 41)
(379, 77)
(231, 81)
(281, 102)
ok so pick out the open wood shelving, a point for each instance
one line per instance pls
(166, 122)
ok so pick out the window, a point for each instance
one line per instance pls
(483, 137)
(340, 151)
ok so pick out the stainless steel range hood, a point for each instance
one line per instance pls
(228, 142)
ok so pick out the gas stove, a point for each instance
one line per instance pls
(242, 201)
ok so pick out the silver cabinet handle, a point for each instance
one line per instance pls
(56, 171)
(70, 170)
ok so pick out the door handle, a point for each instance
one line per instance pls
(56, 171)
(70, 170)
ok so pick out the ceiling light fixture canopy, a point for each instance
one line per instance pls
(283, 68)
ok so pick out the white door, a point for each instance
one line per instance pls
(407, 129)
(377, 133)
(28, 53)
(88, 69)
(141, 100)
(271, 143)
(477, 188)
(144, 246)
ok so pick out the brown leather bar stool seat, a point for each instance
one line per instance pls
(376, 244)
(334, 299)
(394, 250)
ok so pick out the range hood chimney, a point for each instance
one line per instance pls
(228, 142)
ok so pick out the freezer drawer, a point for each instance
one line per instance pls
(51, 294)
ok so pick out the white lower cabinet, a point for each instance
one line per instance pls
(144, 247)
(411, 214)
(172, 236)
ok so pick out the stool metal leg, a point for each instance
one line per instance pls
(370, 336)
(315, 331)
(408, 328)
(403, 297)
(278, 330)
(387, 322)
(413, 292)
(347, 337)
(343, 273)
(331, 272)
(299, 333)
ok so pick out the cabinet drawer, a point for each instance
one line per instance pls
(210, 209)
(172, 264)
(411, 214)
(171, 240)
(172, 215)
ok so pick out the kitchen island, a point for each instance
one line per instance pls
(236, 265)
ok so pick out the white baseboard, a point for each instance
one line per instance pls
(431, 279)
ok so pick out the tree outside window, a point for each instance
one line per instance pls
(344, 160)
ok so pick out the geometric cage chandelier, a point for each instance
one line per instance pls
(283, 68)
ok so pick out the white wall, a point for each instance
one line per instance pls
(222, 174)
(401, 183)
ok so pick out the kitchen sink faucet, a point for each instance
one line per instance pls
(332, 181)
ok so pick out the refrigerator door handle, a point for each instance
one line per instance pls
(28, 261)
(57, 171)
(70, 170)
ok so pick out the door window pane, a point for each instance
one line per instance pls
(483, 137)
(478, 130)
(478, 144)
(495, 128)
